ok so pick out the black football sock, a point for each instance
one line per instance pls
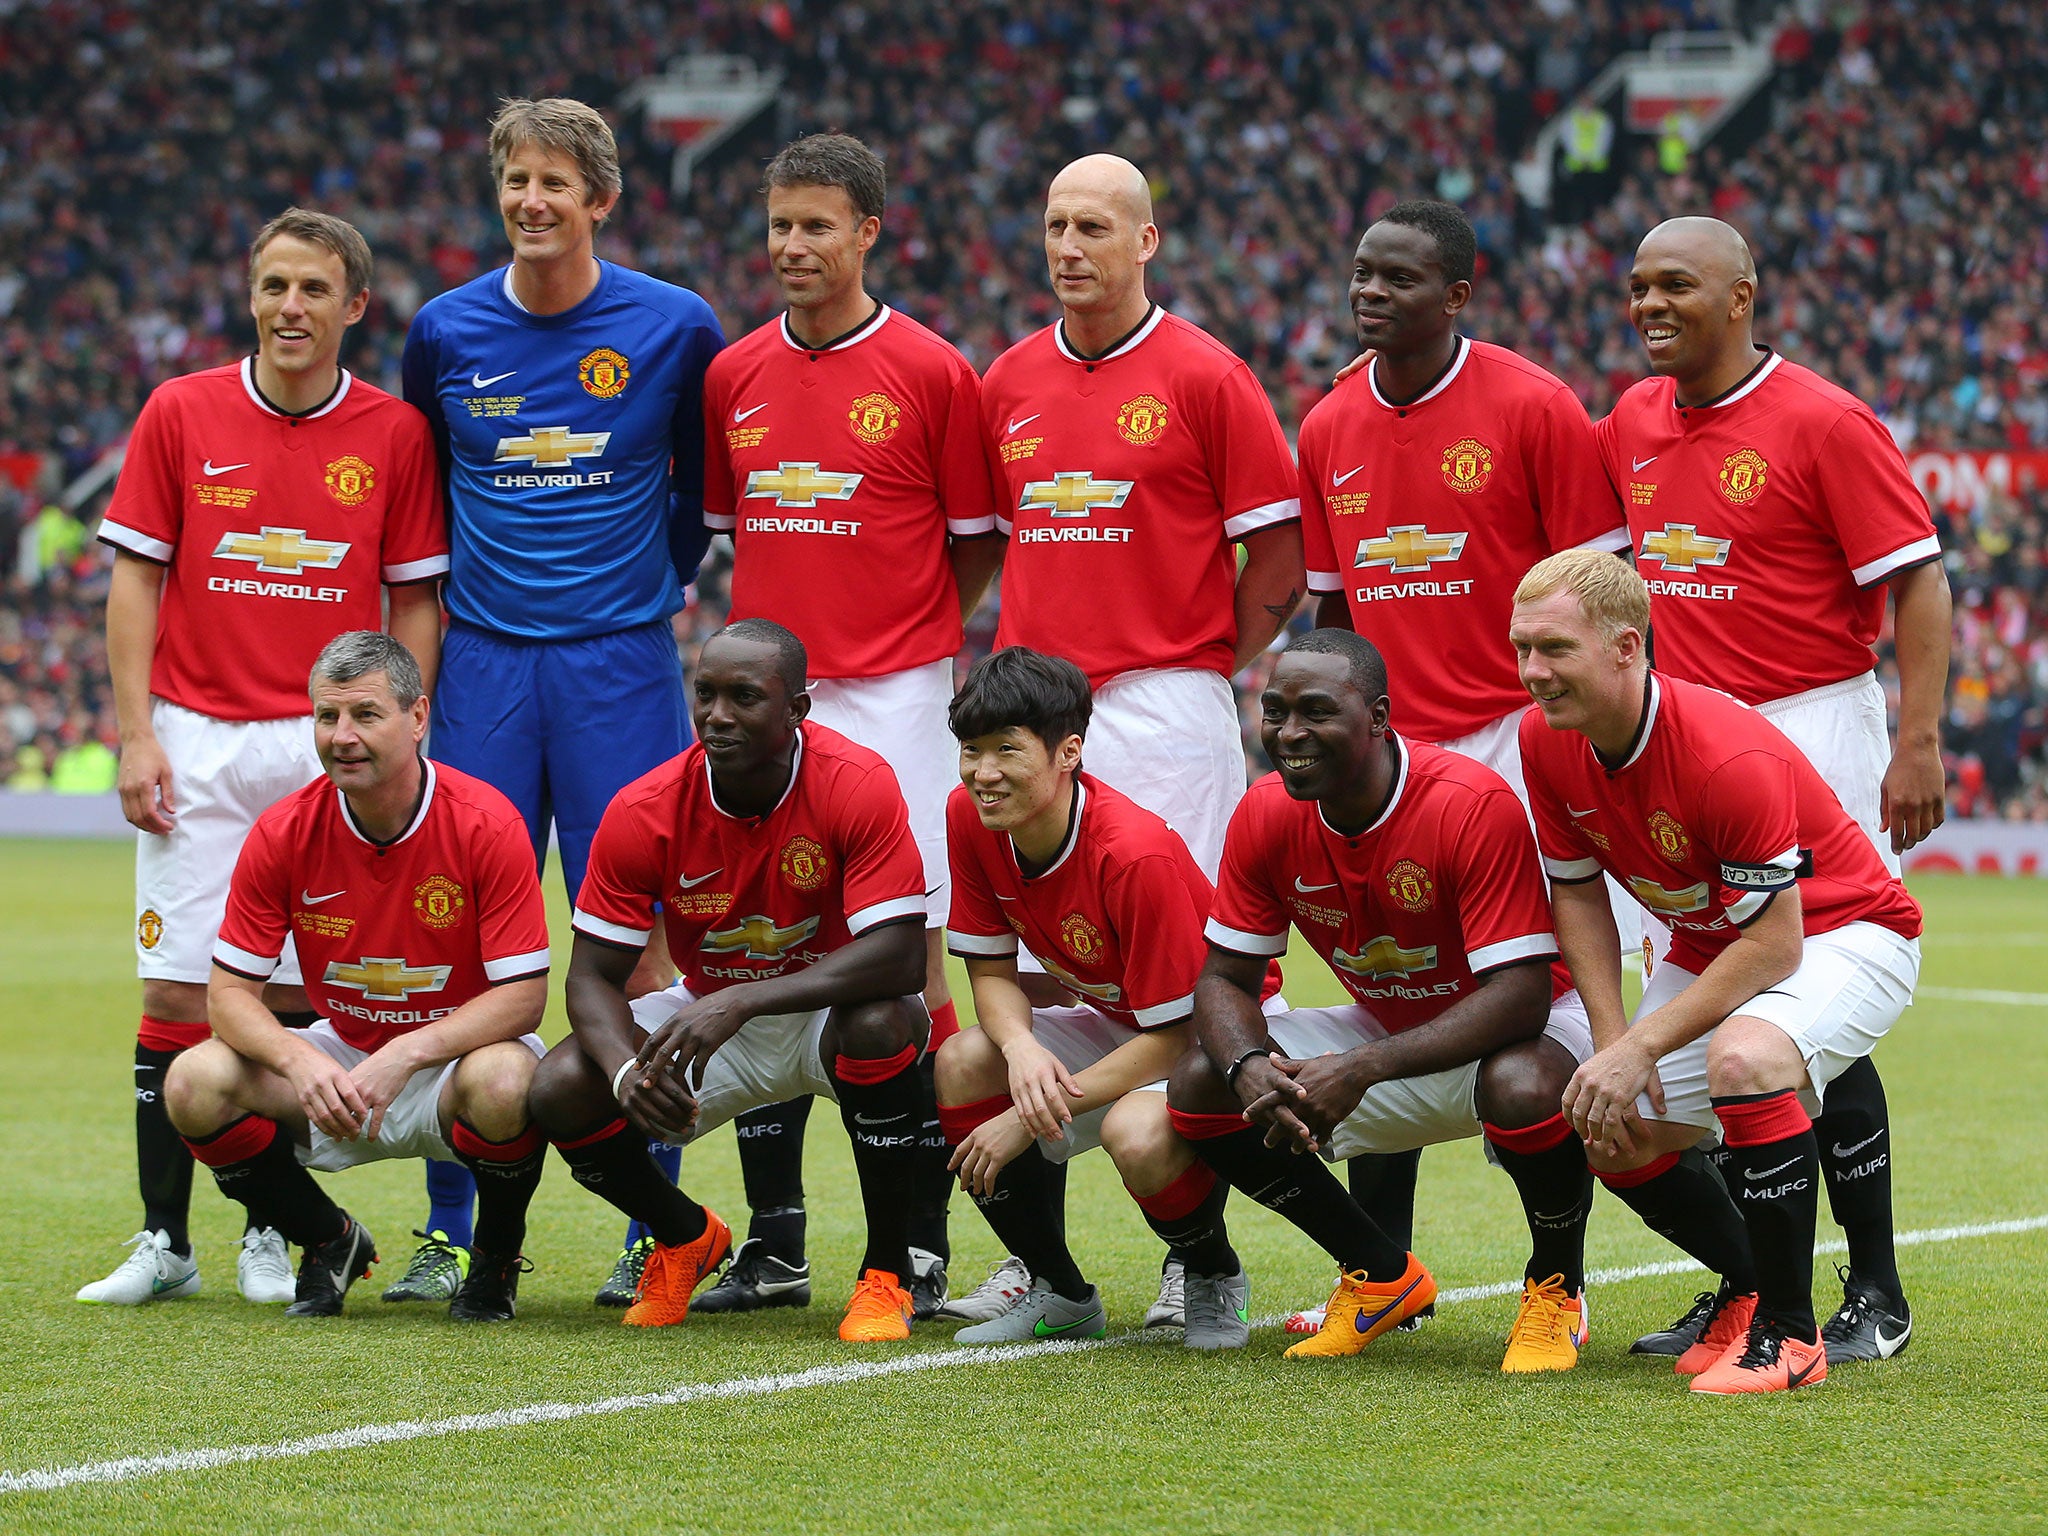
(1777, 1189)
(881, 1101)
(1300, 1187)
(1188, 1216)
(1855, 1135)
(1383, 1184)
(163, 1163)
(507, 1173)
(1022, 1212)
(254, 1163)
(771, 1143)
(1548, 1164)
(611, 1160)
(1682, 1199)
(934, 1188)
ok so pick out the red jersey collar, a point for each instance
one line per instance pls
(348, 817)
(1741, 391)
(1073, 838)
(796, 765)
(256, 395)
(852, 338)
(1653, 699)
(1124, 348)
(1393, 795)
(1450, 375)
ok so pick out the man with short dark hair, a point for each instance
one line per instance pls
(781, 859)
(410, 892)
(261, 506)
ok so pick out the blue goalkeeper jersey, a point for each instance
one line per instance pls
(573, 448)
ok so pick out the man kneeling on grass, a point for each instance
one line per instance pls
(409, 889)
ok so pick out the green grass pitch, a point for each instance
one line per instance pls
(1419, 1433)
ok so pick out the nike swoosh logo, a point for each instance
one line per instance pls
(1842, 1151)
(883, 1120)
(1643, 464)
(1593, 812)
(1798, 1378)
(1309, 890)
(1366, 1324)
(1886, 1348)
(1044, 1332)
(158, 1285)
(739, 416)
(481, 382)
(686, 883)
(1751, 1173)
(1340, 479)
(1021, 421)
(934, 890)
(313, 901)
(211, 468)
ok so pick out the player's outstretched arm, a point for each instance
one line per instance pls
(1269, 588)
(602, 1019)
(133, 595)
(329, 1097)
(1911, 801)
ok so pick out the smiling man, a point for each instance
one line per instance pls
(410, 893)
(1771, 513)
(1794, 950)
(780, 857)
(261, 507)
(843, 455)
(566, 398)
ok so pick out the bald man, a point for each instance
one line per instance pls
(1134, 453)
(1770, 512)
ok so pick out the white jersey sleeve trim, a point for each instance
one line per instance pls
(1003, 525)
(1236, 939)
(616, 933)
(532, 963)
(970, 527)
(1748, 906)
(860, 922)
(135, 541)
(1161, 1014)
(1571, 870)
(243, 961)
(721, 522)
(1326, 581)
(1268, 516)
(1916, 553)
(1616, 541)
(992, 945)
(415, 570)
(1531, 946)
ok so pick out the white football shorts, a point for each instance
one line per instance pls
(1168, 738)
(412, 1121)
(1841, 728)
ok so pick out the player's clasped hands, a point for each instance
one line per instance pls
(1600, 1100)
(379, 1078)
(1273, 1098)
(688, 1041)
(331, 1098)
(1039, 1088)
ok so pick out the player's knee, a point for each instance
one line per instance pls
(566, 1090)
(1142, 1142)
(871, 1031)
(175, 1002)
(1524, 1084)
(492, 1086)
(1749, 1056)
(969, 1067)
(196, 1089)
(1197, 1088)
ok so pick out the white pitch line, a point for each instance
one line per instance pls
(1975, 995)
(128, 1469)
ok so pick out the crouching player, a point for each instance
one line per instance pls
(1793, 948)
(1111, 902)
(410, 892)
(792, 898)
(1412, 872)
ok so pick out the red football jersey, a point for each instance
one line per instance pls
(745, 898)
(280, 531)
(1766, 523)
(1426, 516)
(396, 935)
(1126, 479)
(839, 474)
(1116, 918)
(1442, 888)
(1712, 814)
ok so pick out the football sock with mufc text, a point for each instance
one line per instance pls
(881, 1102)
(1548, 1164)
(1777, 1187)
(1854, 1132)
(254, 1162)
(1024, 1209)
(611, 1160)
(163, 1163)
(507, 1173)
(1682, 1200)
(933, 1189)
(1188, 1216)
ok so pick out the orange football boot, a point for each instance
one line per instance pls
(1550, 1328)
(878, 1312)
(1360, 1310)
(673, 1273)
(1767, 1360)
(1725, 1330)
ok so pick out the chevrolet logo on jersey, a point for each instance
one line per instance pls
(759, 938)
(1411, 547)
(1074, 493)
(1682, 547)
(1384, 960)
(800, 485)
(387, 978)
(286, 551)
(1102, 992)
(551, 447)
(1662, 900)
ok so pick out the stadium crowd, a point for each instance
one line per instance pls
(1896, 212)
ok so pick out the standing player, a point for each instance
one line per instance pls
(1771, 511)
(1431, 479)
(1053, 857)
(426, 953)
(781, 859)
(1793, 948)
(263, 506)
(843, 454)
(565, 394)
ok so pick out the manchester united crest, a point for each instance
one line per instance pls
(874, 418)
(1670, 837)
(1142, 421)
(603, 374)
(1083, 940)
(1467, 465)
(1410, 886)
(149, 928)
(437, 902)
(804, 864)
(1742, 476)
(350, 480)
